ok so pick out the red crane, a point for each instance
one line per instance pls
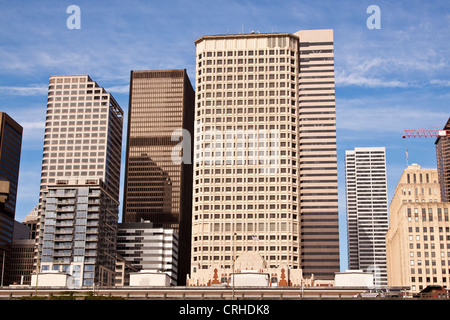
(425, 133)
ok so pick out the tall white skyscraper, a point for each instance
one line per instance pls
(367, 211)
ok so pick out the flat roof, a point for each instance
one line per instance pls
(245, 35)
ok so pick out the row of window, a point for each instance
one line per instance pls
(262, 75)
(209, 62)
(428, 215)
(229, 258)
(241, 53)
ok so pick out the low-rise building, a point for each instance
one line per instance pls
(147, 248)
(250, 269)
(149, 278)
(354, 278)
(123, 270)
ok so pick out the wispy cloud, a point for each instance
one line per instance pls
(30, 125)
(358, 79)
(24, 91)
(118, 89)
(440, 83)
(386, 116)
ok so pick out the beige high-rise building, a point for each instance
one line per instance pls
(418, 239)
(265, 173)
(80, 179)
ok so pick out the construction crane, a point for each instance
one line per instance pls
(425, 133)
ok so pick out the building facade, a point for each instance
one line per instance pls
(418, 239)
(123, 270)
(367, 211)
(79, 193)
(249, 269)
(158, 172)
(148, 248)
(443, 162)
(318, 155)
(10, 150)
(265, 176)
(31, 221)
(22, 253)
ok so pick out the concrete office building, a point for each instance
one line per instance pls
(149, 249)
(123, 270)
(158, 172)
(265, 174)
(10, 150)
(22, 253)
(367, 211)
(79, 195)
(31, 221)
(443, 162)
(418, 240)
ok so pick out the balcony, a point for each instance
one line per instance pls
(64, 231)
(65, 209)
(63, 246)
(61, 194)
(66, 201)
(66, 223)
(63, 239)
(66, 216)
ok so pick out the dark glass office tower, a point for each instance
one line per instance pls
(10, 147)
(443, 163)
(158, 172)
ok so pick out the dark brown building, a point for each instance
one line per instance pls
(158, 172)
(443, 163)
(10, 147)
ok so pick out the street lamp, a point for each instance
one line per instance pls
(234, 257)
(3, 266)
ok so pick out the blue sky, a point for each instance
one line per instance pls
(387, 80)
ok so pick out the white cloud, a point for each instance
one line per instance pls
(441, 83)
(29, 125)
(24, 91)
(369, 116)
(118, 89)
(359, 79)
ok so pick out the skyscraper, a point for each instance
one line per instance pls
(79, 193)
(158, 172)
(367, 211)
(418, 238)
(10, 149)
(265, 177)
(318, 155)
(443, 163)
